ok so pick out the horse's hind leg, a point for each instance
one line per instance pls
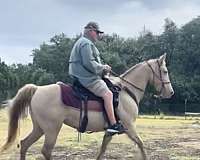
(30, 139)
(106, 139)
(134, 137)
(50, 140)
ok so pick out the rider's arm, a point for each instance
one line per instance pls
(89, 62)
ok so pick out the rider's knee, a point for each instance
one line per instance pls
(108, 94)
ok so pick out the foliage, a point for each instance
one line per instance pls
(50, 63)
(54, 57)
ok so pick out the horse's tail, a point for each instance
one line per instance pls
(18, 109)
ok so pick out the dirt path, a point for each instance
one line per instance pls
(163, 140)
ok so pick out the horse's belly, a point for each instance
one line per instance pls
(96, 120)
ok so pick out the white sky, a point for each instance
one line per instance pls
(25, 24)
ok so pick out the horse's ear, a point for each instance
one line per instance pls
(162, 58)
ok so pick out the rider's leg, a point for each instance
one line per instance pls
(100, 89)
(108, 103)
(108, 97)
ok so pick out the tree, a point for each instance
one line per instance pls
(54, 57)
(168, 39)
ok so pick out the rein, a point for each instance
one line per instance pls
(115, 74)
(132, 94)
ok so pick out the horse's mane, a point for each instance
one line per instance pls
(134, 67)
(131, 69)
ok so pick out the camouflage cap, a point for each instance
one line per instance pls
(94, 26)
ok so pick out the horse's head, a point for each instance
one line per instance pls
(160, 78)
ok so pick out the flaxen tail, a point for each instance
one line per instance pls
(18, 107)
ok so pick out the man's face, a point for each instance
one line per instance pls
(95, 35)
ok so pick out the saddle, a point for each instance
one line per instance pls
(85, 95)
(81, 98)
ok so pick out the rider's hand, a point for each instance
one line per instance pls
(107, 68)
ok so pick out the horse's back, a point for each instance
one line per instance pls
(47, 107)
(48, 94)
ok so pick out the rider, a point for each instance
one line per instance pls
(85, 65)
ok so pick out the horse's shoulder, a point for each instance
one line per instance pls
(115, 80)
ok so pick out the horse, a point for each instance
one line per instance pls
(48, 113)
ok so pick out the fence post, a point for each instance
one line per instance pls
(185, 107)
(155, 106)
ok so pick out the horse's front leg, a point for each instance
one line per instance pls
(106, 139)
(134, 137)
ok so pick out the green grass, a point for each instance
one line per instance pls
(169, 136)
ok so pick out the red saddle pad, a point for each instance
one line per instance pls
(70, 100)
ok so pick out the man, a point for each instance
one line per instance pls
(85, 65)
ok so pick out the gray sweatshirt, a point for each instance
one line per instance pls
(85, 63)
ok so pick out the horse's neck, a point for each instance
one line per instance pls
(139, 77)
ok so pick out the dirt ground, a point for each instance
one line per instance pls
(163, 140)
(180, 144)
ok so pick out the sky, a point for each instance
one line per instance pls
(26, 24)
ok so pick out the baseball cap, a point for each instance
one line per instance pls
(94, 26)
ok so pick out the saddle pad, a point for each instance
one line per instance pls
(68, 98)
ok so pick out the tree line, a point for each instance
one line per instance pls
(182, 45)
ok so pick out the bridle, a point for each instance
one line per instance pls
(159, 77)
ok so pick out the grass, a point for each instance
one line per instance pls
(169, 137)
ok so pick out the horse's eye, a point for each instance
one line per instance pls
(165, 72)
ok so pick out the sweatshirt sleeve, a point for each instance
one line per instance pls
(89, 62)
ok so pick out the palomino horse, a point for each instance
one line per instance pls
(48, 113)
